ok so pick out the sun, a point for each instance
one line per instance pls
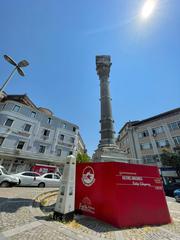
(148, 8)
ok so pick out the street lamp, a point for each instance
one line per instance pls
(18, 67)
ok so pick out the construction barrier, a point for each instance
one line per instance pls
(122, 194)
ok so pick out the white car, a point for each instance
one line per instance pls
(27, 178)
(34, 179)
(48, 180)
(6, 179)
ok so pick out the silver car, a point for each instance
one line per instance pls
(33, 179)
(27, 178)
(48, 180)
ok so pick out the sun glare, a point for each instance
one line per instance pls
(148, 8)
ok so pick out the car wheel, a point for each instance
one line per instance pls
(41, 185)
(5, 184)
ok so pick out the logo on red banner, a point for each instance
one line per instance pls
(86, 205)
(88, 176)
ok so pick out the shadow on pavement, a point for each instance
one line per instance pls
(11, 205)
(95, 224)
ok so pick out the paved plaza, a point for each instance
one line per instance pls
(21, 218)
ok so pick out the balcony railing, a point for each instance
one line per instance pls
(7, 152)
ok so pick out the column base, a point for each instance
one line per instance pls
(63, 217)
(109, 153)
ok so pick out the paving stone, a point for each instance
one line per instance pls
(19, 221)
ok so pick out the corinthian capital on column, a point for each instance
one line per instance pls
(103, 64)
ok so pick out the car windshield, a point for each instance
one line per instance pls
(4, 171)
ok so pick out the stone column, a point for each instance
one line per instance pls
(103, 64)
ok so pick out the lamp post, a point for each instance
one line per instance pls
(17, 68)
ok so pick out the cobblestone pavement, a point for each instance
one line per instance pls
(20, 220)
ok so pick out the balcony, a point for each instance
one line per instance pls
(14, 153)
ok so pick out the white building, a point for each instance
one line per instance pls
(30, 135)
(147, 138)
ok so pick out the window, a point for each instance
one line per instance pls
(143, 134)
(64, 125)
(176, 140)
(46, 132)
(72, 140)
(9, 122)
(49, 120)
(42, 149)
(61, 137)
(56, 176)
(33, 114)
(59, 152)
(70, 153)
(27, 127)
(31, 174)
(174, 125)
(158, 130)
(1, 140)
(26, 174)
(20, 145)
(162, 143)
(151, 158)
(48, 176)
(16, 108)
(74, 129)
(146, 146)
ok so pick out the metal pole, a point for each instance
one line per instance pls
(8, 79)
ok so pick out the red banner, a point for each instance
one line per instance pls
(124, 195)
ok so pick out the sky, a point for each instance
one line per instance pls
(60, 39)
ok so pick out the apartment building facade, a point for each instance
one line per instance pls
(146, 139)
(30, 135)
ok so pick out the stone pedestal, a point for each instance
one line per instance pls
(109, 154)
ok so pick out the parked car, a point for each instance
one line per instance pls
(27, 178)
(33, 179)
(48, 180)
(170, 185)
(177, 195)
(6, 179)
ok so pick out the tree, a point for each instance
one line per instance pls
(82, 158)
(172, 160)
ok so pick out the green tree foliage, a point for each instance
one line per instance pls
(82, 158)
(171, 159)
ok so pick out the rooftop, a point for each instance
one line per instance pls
(156, 117)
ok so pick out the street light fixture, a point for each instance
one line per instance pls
(18, 67)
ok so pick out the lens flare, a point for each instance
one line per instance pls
(148, 8)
